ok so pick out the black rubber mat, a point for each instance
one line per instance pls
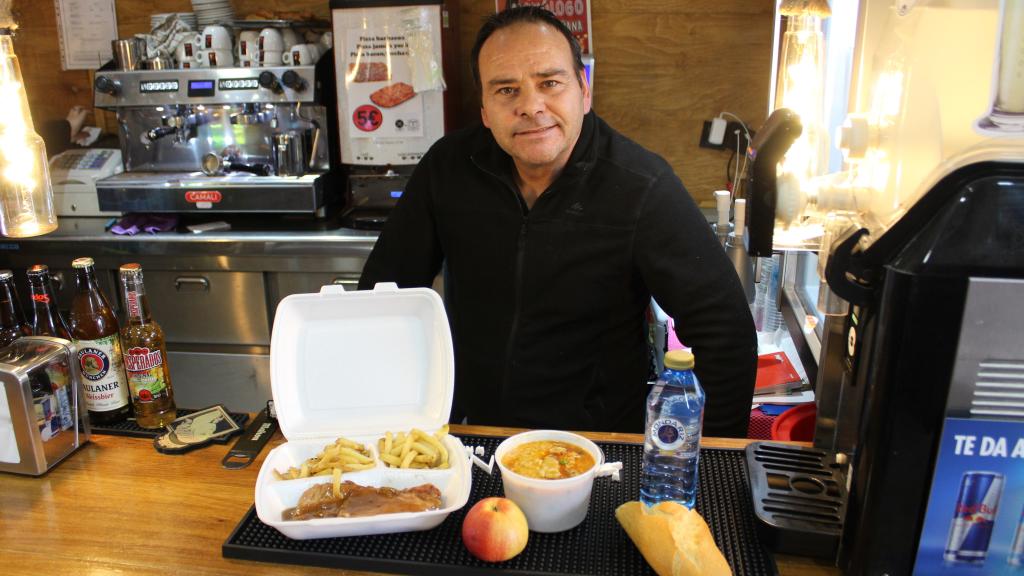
(597, 546)
(130, 428)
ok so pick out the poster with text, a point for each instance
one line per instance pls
(973, 524)
(575, 14)
(381, 100)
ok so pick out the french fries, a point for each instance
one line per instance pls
(343, 455)
(414, 449)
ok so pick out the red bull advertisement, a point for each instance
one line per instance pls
(974, 516)
(1016, 557)
(973, 523)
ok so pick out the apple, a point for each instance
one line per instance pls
(495, 530)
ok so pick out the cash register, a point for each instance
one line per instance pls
(74, 173)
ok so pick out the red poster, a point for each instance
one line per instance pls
(574, 13)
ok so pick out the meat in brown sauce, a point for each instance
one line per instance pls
(319, 501)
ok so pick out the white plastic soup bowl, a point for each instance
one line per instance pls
(550, 505)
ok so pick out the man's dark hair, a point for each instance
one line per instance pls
(518, 15)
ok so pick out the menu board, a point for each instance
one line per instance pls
(85, 29)
(381, 99)
(575, 14)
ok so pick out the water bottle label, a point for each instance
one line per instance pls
(667, 433)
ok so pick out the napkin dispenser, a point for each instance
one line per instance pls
(43, 417)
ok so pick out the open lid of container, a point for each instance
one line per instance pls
(362, 362)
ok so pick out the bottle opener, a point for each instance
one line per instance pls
(252, 442)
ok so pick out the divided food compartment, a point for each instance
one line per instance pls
(355, 365)
(274, 496)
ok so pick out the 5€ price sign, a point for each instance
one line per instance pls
(367, 118)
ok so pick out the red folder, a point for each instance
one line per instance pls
(776, 374)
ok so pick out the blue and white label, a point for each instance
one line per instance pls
(667, 433)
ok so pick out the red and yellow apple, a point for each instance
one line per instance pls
(495, 530)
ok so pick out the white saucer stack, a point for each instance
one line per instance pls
(213, 12)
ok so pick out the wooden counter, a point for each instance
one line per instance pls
(119, 507)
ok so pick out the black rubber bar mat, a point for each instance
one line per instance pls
(130, 428)
(597, 546)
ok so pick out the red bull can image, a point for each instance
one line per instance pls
(973, 517)
(1016, 555)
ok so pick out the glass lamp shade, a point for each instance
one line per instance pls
(26, 196)
(801, 88)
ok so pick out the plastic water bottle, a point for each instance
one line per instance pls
(675, 412)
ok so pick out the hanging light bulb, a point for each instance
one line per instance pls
(800, 88)
(26, 196)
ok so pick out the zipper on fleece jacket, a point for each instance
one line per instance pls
(514, 330)
(517, 277)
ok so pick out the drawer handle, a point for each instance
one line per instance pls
(192, 282)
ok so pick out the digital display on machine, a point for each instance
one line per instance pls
(396, 193)
(158, 86)
(238, 84)
(201, 88)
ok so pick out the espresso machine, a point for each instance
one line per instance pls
(221, 140)
(918, 458)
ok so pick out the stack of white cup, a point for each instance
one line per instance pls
(276, 47)
(209, 49)
(215, 48)
(268, 47)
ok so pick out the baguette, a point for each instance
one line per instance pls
(673, 539)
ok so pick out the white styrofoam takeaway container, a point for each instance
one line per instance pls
(357, 364)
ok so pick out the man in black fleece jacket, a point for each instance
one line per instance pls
(555, 231)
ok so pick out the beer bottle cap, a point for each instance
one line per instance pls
(38, 270)
(5, 274)
(82, 262)
(131, 267)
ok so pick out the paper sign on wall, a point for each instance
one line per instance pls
(381, 99)
(85, 29)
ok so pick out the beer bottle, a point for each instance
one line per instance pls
(145, 355)
(10, 312)
(46, 319)
(95, 330)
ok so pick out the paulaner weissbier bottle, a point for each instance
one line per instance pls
(145, 355)
(95, 330)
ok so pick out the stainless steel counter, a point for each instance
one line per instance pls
(89, 237)
(214, 293)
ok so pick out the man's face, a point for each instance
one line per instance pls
(532, 99)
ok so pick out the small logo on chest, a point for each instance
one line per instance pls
(575, 210)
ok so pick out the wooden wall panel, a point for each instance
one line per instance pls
(662, 67)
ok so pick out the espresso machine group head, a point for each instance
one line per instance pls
(225, 140)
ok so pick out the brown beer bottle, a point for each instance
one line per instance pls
(95, 330)
(145, 355)
(10, 312)
(46, 319)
